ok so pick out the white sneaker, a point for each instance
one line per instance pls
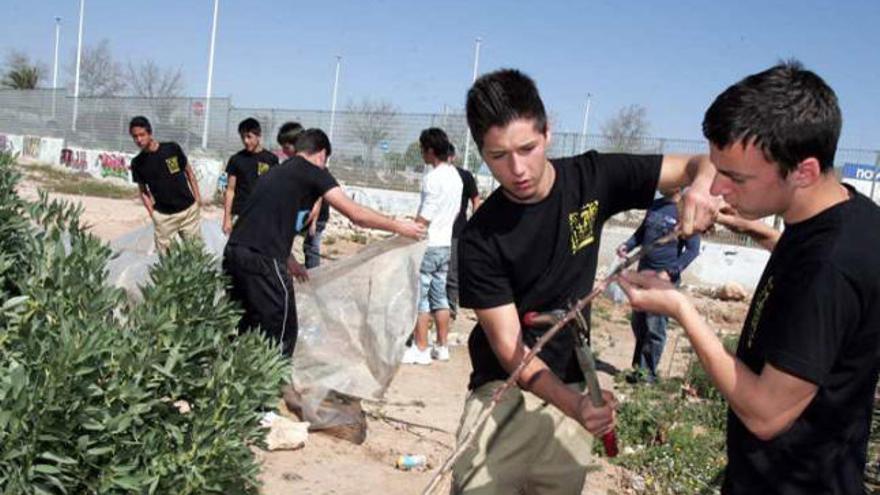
(414, 355)
(440, 353)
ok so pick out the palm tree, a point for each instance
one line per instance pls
(20, 72)
(21, 78)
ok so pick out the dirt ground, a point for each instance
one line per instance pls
(421, 410)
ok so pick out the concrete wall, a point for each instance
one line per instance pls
(717, 264)
(98, 163)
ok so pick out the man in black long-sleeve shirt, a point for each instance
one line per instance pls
(668, 260)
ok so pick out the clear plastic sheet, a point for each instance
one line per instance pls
(135, 252)
(355, 315)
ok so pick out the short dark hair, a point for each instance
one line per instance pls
(250, 125)
(312, 141)
(288, 132)
(500, 97)
(140, 121)
(788, 112)
(435, 139)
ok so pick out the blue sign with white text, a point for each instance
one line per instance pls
(860, 171)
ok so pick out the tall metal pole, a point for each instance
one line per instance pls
(79, 43)
(210, 76)
(467, 138)
(335, 93)
(55, 63)
(586, 119)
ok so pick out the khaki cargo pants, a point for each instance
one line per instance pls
(526, 447)
(186, 223)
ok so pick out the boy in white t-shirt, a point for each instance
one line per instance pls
(440, 198)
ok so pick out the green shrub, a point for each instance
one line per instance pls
(91, 387)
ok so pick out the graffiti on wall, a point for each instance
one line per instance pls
(30, 147)
(75, 159)
(113, 165)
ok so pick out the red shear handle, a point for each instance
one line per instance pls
(609, 440)
(548, 319)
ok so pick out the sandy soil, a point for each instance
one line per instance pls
(422, 408)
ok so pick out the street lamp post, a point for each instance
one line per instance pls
(210, 76)
(586, 119)
(79, 43)
(335, 92)
(467, 142)
(55, 63)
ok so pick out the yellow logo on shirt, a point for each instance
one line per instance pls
(583, 226)
(760, 299)
(262, 168)
(172, 164)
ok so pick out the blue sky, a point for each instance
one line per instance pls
(672, 57)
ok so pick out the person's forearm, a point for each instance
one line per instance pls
(371, 219)
(736, 382)
(228, 199)
(538, 379)
(196, 193)
(764, 234)
(147, 200)
(194, 186)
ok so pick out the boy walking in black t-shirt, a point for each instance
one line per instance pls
(257, 257)
(167, 184)
(533, 246)
(801, 386)
(243, 170)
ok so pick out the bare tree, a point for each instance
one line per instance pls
(100, 74)
(159, 85)
(625, 131)
(20, 72)
(371, 123)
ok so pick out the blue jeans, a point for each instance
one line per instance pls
(650, 332)
(432, 280)
(312, 246)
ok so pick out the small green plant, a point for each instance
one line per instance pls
(673, 440)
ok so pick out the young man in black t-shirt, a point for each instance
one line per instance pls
(320, 214)
(257, 256)
(533, 246)
(469, 194)
(243, 170)
(801, 386)
(167, 184)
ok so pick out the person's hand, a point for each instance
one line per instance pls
(227, 226)
(413, 230)
(697, 210)
(651, 293)
(621, 251)
(297, 270)
(760, 232)
(730, 218)
(597, 420)
(664, 275)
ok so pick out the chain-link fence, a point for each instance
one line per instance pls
(378, 149)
